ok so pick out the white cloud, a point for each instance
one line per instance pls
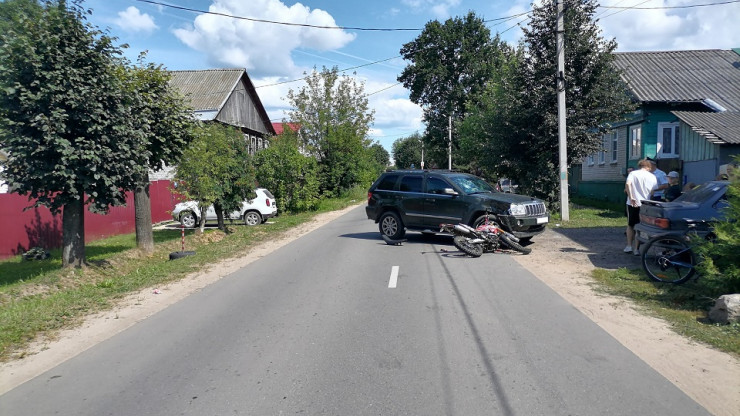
(438, 8)
(132, 20)
(262, 48)
(712, 27)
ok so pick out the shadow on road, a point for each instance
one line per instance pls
(602, 245)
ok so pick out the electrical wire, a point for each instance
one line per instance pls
(340, 70)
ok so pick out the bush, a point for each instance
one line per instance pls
(720, 263)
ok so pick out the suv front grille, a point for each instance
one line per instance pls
(535, 209)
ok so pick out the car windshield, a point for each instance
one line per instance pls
(471, 184)
(700, 193)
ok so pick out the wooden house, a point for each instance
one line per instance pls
(688, 119)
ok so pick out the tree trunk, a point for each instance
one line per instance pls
(219, 216)
(202, 225)
(73, 234)
(143, 216)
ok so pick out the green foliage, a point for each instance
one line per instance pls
(334, 118)
(64, 125)
(291, 176)
(407, 151)
(216, 168)
(164, 122)
(450, 64)
(720, 264)
(518, 120)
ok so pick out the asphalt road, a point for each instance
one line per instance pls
(339, 323)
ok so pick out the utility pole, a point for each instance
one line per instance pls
(449, 144)
(562, 140)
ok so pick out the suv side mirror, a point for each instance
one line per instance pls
(450, 191)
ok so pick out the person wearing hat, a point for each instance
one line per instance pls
(674, 188)
(657, 194)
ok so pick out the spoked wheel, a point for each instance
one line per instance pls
(668, 259)
(466, 246)
(390, 225)
(513, 244)
(188, 219)
(252, 218)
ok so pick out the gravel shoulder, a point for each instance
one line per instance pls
(562, 258)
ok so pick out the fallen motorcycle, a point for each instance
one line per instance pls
(488, 237)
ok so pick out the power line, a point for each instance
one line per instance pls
(671, 7)
(340, 70)
(252, 19)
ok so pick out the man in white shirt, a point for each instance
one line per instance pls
(639, 185)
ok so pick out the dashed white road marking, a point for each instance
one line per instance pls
(394, 278)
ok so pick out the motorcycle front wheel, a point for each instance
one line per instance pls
(465, 245)
(516, 246)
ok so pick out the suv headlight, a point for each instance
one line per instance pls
(517, 209)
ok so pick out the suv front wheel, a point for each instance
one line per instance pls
(391, 226)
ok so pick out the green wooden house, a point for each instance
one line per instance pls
(688, 119)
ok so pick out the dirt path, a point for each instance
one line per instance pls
(561, 258)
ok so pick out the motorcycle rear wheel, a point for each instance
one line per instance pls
(466, 246)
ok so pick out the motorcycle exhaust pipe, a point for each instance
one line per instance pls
(463, 229)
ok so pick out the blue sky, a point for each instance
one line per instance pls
(274, 53)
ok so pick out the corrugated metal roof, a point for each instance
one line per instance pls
(208, 89)
(683, 76)
(715, 127)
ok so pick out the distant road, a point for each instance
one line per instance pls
(339, 323)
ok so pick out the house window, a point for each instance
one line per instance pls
(590, 160)
(668, 139)
(636, 144)
(614, 147)
(602, 152)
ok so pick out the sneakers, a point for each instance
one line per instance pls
(627, 249)
(636, 252)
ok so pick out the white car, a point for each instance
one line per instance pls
(253, 212)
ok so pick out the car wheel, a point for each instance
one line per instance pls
(391, 226)
(188, 219)
(252, 218)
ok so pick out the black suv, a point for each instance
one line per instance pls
(422, 200)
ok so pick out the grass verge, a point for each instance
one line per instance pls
(683, 307)
(39, 298)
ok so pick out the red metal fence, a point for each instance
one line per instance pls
(21, 230)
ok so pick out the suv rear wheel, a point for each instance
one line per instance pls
(390, 225)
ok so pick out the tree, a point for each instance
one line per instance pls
(291, 176)
(380, 156)
(334, 118)
(216, 169)
(407, 151)
(523, 107)
(163, 127)
(65, 118)
(450, 64)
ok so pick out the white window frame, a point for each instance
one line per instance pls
(673, 140)
(615, 147)
(635, 142)
(590, 160)
(602, 152)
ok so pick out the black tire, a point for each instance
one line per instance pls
(188, 219)
(391, 226)
(668, 259)
(516, 246)
(471, 249)
(180, 254)
(252, 218)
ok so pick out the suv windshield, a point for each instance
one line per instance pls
(471, 184)
(700, 193)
